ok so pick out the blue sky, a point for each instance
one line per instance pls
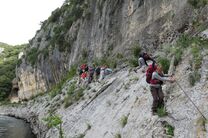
(20, 19)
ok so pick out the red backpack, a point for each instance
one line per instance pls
(150, 70)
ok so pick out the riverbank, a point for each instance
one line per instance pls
(11, 127)
(23, 112)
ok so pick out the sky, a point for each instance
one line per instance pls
(20, 19)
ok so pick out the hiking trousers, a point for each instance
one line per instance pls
(157, 96)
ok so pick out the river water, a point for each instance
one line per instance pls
(14, 128)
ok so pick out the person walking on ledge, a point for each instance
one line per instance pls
(155, 77)
(142, 61)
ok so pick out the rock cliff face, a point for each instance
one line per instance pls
(119, 106)
(103, 28)
(124, 95)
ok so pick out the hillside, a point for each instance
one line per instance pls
(8, 62)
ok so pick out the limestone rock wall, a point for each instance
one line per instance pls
(112, 27)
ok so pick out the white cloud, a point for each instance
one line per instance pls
(20, 19)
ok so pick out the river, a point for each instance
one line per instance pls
(14, 128)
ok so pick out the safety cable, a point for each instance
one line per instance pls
(191, 100)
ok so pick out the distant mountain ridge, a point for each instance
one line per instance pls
(3, 44)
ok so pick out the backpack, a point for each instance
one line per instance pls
(150, 70)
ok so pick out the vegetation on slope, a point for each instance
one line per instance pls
(8, 61)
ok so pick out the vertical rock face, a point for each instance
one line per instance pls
(109, 27)
(30, 84)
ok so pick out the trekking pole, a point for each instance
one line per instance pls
(191, 100)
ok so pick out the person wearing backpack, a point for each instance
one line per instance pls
(91, 73)
(81, 69)
(97, 73)
(102, 73)
(142, 61)
(84, 78)
(155, 77)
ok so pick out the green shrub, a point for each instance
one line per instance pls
(124, 121)
(3, 94)
(84, 53)
(108, 61)
(184, 41)
(169, 130)
(133, 62)
(165, 63)
(119, 56)
(136, 50)
(79, 94)
(198, 3)
(197, 62)
(118, 135)
(55, 15)
(81, 136)
(67, 101)
(19, 62)
(73, 95)
(54, 121)
(178, 54)
(45, 52)
(32, 55)
(72, 72)
(88, 126)
(56, 89)
(197, 58)
(194, 77)
(161, 111)
(68, 22)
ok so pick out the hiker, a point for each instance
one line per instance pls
(108, 71)
(142, 61)
(84, 78)
(91, 73)
(97, 73)
(82, 69)
(155, 77)
(104, 71)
